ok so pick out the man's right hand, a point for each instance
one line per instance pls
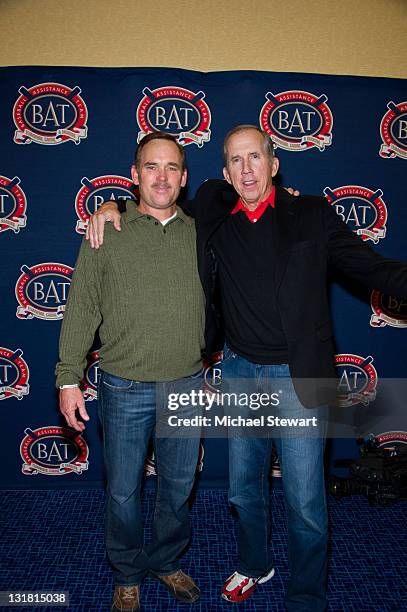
(96, 227)
(71, 400)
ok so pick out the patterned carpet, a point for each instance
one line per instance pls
(53, 540)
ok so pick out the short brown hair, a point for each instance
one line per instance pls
(267, 142)
(158, 136)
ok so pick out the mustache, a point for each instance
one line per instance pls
(166, 185)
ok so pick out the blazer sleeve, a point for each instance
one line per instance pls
(348, 253)
(189, 207)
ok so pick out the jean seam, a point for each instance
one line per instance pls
(158, 472)
(265, 502)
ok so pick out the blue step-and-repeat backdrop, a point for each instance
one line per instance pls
(67, 139)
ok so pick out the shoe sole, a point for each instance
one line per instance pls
(267, 577)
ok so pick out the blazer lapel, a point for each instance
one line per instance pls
(220, 208)
(283, 232)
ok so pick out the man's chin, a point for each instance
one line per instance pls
(162, 205)
(250, 200)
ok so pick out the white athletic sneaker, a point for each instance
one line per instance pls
(239, 587)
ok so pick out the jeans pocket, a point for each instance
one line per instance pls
(116, 383)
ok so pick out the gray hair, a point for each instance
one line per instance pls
(267, 142)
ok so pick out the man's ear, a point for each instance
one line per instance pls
(134, 175)
(184, 178)
(227, 175)
(275, 166)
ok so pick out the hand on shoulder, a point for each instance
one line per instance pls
(108, 212)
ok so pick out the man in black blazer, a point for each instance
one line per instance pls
(263, 257)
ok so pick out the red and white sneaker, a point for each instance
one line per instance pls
(239, 587)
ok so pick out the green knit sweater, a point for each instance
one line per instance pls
(142, 290)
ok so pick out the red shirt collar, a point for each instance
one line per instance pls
(254, 215)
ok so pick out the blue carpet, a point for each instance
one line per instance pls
(54, 540)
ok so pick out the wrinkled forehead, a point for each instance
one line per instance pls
(243, 142)
(161, 151)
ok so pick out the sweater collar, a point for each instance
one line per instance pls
(133, 214)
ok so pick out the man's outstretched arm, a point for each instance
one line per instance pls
(353, 257)
(111, 212)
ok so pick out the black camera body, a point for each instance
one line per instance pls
(380, 474)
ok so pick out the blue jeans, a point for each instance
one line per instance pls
(127, 411)
(301, 461)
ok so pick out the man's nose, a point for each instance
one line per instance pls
(246, 166)
(162, 174)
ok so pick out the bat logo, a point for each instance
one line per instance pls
(387, 310)
(90, 377)
(362, 209)
(50, 114)
(357, 379)
(150, 468)
(297, 120)
(393, 131)
(388, 438)
(14, 374)
(42, 291)
(13, 205)
(176, 111)
(95, 192)
(53, 451)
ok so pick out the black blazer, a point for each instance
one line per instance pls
(307, 237)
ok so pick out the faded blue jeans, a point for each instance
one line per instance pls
(127, 411)
(302, 467)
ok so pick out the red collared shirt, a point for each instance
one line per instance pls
(254, 215)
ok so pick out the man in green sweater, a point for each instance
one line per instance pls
(141, 290)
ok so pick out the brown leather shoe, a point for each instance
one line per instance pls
(126, 599)
(181, 586)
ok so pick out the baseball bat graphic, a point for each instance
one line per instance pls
(321, 100)
(14, 181)
(149, 93)
(27, 271)
(24, 92)
(366, 362)
(75, 92)
(377, 194)
(198, 96)
(271, 97)
(393, 107)
(86, 183)
(29, 432)
(328, 192)
(17, 353)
